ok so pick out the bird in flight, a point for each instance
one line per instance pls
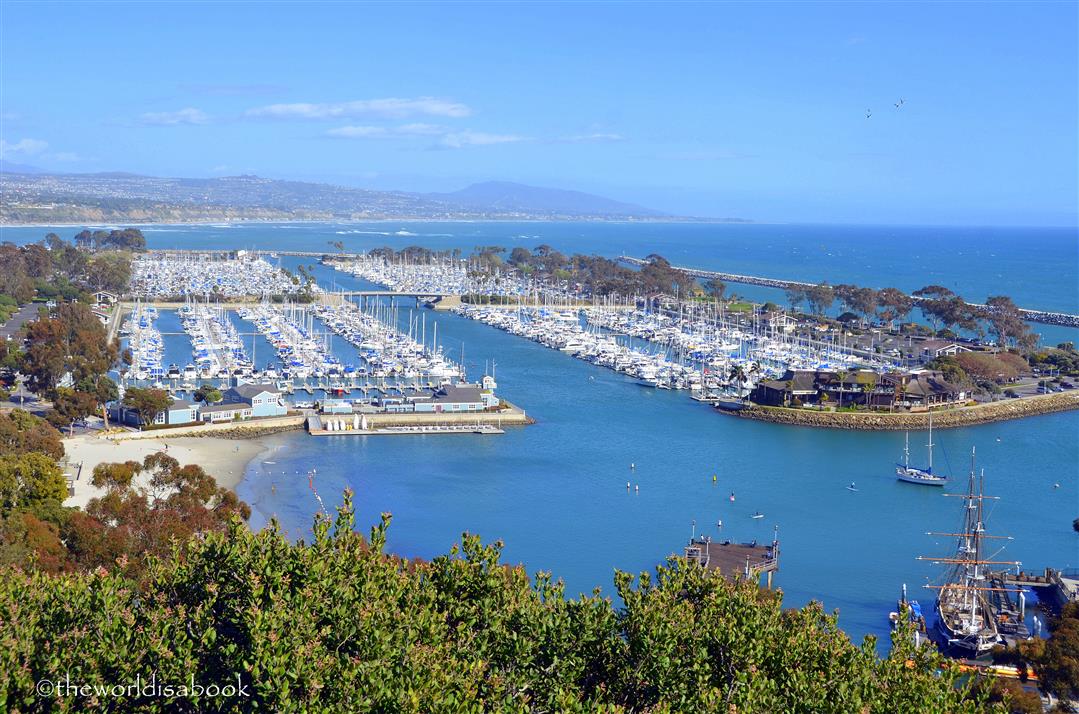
(868, 113)
(900, 103)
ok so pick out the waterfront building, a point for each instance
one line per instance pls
(933, 348)
(224, 411)
(335, 406)
(179, 412)
(262, 400)
(457, 398)
(104, 298)
(916, 390)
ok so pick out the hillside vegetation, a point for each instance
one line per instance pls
(338, 625)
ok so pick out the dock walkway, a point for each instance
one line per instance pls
(747, 560)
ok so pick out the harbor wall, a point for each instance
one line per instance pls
(946, 419)
(231, 429)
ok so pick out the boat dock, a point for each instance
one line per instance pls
(327, 425)
(734, 560)
(1055, 587)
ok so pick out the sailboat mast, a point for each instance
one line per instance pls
(930, 442)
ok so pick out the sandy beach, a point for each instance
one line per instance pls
(224, 459)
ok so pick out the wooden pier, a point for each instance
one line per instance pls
(1055, 587)
(734, 560)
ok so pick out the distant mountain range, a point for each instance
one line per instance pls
(502, 195)
(35, 196)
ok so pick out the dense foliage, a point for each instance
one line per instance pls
(147, 403)
(148, 509)
(123, 239)
(1057, 658)
(21, 432)
(337, 625)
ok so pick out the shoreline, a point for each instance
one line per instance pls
(884, 421)
(225, 459)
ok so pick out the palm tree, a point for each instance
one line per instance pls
(841, 375)
(738, 375)
(867, 389)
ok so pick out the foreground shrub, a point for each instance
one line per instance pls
(338, 625)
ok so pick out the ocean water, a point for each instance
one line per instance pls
(555, 492)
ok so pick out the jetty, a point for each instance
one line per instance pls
(1044, 317)
(735, 560)
(385, 423)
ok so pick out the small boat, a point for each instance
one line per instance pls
(852, 487)
(914, 616)
(758, 514)
(912, 474)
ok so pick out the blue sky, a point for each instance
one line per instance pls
(711, 109)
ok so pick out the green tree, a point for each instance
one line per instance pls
(820, 298)
(29, 479)
(208, 393)
(71, 340)
(716, 288)
(21, 432)
(147, 403)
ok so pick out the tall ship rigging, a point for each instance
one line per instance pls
(974, 610)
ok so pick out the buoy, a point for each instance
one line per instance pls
(713, 478)
(637, 488)
(732, 496)
(633, 466)
(719, 523)
(627, 485)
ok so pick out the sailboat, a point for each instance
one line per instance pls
(913, 474)
(966, 606)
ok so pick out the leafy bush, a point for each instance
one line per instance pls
(337, 625)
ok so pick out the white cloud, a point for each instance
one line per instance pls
(22, 147)
(459, 139)
(189, 115)
(65, 156)
(384, 132)
(446, 138)
(390, 108)
(598, 136)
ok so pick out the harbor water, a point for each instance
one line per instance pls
(556, 492)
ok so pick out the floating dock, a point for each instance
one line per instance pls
(734, 560)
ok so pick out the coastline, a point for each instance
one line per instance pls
(883, 421)
(223, 458)
(386, 219)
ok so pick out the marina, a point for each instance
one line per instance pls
(570, 467)
(206, 275)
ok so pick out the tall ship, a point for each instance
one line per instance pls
(974, 611)
(912, 474)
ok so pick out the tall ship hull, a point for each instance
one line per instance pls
(973, 611)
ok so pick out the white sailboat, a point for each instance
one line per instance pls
(912, 474)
